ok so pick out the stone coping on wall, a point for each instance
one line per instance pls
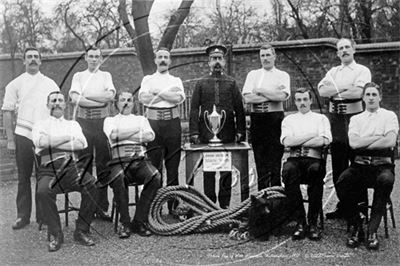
(328, 42)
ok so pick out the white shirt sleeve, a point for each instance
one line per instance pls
(11, 95)
(286, 129)
(326, 128)
(392, 124)
(145, 127)
(248, 84)
(108, 127)
(363, 77)
(144, 85)
(76, 84)
(286, 83)
(78, 133)
(38, 131)
(109, 83)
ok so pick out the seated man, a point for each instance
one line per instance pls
(372, 135)
(305, 133)
(55, 140)
(126, 134)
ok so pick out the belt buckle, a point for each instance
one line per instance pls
(342, 108)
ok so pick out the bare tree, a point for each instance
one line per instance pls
(140, 33)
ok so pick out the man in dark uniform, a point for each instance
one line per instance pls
(220, 90)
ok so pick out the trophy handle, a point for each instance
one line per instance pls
(223, 114)
(206, 120)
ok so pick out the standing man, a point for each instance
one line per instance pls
(372, 135)
(220, 90)
(91, 91)
(343, 86)
(56, 141)
(305, 133)
(27, 96)
(127, 133)
(266, 89)
(161, 93)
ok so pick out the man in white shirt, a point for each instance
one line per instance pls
(161, 93)
(343, 86)
(127, 133)
(91, 92)
(305, 133)
(266, 89)
(26, 95)
(56, 140)
(372, 136)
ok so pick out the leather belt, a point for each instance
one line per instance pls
(93, 112)
(162, 113)
(48, 158)
(372, 160)
(306, 152)
(266, 107)
(127, 150)
(339, 107)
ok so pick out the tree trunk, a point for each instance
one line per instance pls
(176, 20)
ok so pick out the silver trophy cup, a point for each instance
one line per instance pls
(214, 123)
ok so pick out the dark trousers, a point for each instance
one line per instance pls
(166, 147)
(351, 187)
(225, 187)
(24, 157)
(98, 147)
(140, 171)
(49, 187)
(308, 171)
(265, 132)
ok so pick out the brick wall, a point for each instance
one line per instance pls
(306, 61)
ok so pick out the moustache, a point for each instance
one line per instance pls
(217, 65)
(345, 54)
(302, 105)
(33, 63)
(163, 63)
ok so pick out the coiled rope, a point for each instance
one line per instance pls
(208, 215)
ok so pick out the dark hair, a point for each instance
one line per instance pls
(116, 98)
(267, 46)
(352, 42)
(161, 49)
(54, 92)
(27, 49)
(303, 90)
(94, 48)
(373, 85)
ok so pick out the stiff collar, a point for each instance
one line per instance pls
(273, 69)
(373, 113)
(352, 65)
(57, 120)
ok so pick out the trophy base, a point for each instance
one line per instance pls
(215, 144)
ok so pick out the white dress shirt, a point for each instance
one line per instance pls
(298, 124)
(27, 95)
(163, 82)
(89, 84)
(344, 76)
(378, 123)
(126, 122)
(55, 127)
(266, 80)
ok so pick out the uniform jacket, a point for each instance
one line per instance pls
(221, 90)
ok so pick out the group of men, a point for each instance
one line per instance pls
(130, 148)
